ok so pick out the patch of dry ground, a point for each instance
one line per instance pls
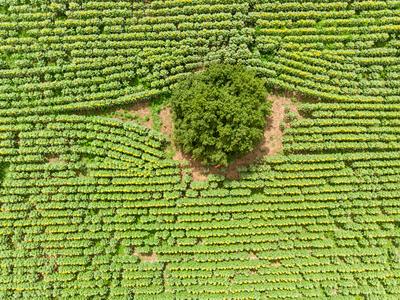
(253, 256)
(166, 121)
(276, 263)
(144, 257)
(199, 173)
(52, 159)
(271, 143)
(142, 111)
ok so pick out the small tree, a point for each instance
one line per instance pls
(219, 113)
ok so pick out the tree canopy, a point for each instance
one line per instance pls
(219, 113)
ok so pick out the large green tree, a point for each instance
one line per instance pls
(219, 113)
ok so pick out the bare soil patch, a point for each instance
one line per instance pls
(144, 257)
(52, 159)
(253, 256)
(198, 172)
(271, 143)
(253, 271)
(141, 110)
(166, 121)
(276, 263)
(273, 133)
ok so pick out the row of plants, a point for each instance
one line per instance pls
(90, 207)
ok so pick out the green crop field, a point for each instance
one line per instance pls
(94, 207)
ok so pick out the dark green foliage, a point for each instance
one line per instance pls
(219, 113)
(3, 171)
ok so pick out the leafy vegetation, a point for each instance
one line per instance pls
(113, 218)
(219, 113)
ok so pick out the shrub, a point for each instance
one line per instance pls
(219, 113)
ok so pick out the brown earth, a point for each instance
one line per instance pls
(166, 121)
(142, 110)
(276, 264)
(52, 159)
(253, 271)
(271, 143)
(167, 127)
(253, 256)
(146, 257)
(273, 134)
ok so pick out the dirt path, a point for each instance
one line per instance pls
(273, 134)
(166, 121)
(271, 143)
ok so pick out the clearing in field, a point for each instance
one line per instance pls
(271, 143)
